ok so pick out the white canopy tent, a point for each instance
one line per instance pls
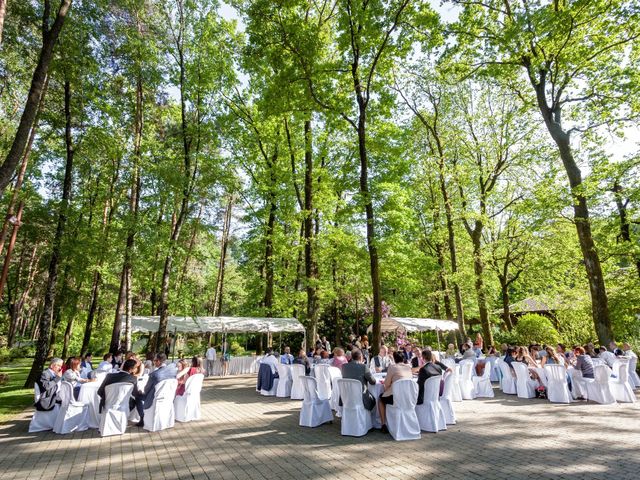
(408, 324)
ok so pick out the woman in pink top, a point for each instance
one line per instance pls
(395, 372)
(338, 358)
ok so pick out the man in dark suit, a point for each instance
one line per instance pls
(161, 372)
(48, 384)
(357, 370)
(125, 375)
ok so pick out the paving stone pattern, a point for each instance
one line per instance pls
(245, 436)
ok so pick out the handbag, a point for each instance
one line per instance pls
(368, 400)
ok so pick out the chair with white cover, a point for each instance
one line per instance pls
(445, 399)
(598, 388)
(89, 396)
(430, 415)
(495, 371)
(335, 396)
(508, 383)
(42, 421)
(557, 386)
(634, 379)
(323, 379)
(467, 388)
(284, 381)
(356, 420)
(161, 415)
(187, 405)
(266, 374)
(456, 393)
(525, 386)
(620, 387)
(113, 420)
(402, 420)
(315, 410)
(482, 384)
(297, 390)
(72, 416)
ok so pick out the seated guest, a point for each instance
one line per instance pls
(535, 352)
(106, 365)
(139, 366)
(116, 361)
(357, 370)
(270, 359)
(302, 359)
(451, 351)
(86, 361)
(477, 349)
(628, 352)
(467, 352)
(395, 372)
(615, 349)
(125, 375)
(492, 352)
(338, 359)
(181, 375)
(583, 368)
(509, 358)
(431, 369)
(148, 362)
(160, 373)
(552, 358)
(416, 360)
(324, 358)
(407, 353)
(608, 357)
(67, 365)
(72, 375)
(286, 358)
(380, 363)
(590, 350)
(193, 369)
(48, 385)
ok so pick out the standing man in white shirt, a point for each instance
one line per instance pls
(270, 360)
(211, 360)
(381, 362)
(286, 358)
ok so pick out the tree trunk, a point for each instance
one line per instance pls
(224, 242)
(625, 234)
(593, 268)
(124, 292)
(3, 11)
(49, 39)
(478, 269)
(44, 324)
(19, 304)
(12, 243)
(267, 301)
(311, 268)
(444, 285)
(504, 294)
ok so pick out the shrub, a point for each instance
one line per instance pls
(532, 328)
(5, 355)
(576, 326)
(236, 349)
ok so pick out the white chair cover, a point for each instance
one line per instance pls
(315, 410)
(323, 379)
(482, 385)
(113, 420)
(456, 393)
(498, 372)
(445, 399)
(335, 396)
(525, 386)
(42, 421)
(402, 420)
(89, 396)
(73, 415)
(85, 371)
(557, 386)
(466, 383)
(493, 372)
(634, 379)
(187, 405)
(297, 390)
(598, 388)
(508, 383)
(430, 415)
(284, 382)
(161, 414)
(356, 420)
(620, 386)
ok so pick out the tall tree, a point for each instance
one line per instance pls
(50, 34)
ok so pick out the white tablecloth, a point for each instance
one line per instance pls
(239, 365)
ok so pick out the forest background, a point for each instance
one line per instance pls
(334, 161)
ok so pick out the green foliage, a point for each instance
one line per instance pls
(533, 328)
(236, 349)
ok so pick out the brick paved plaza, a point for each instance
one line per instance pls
(245, 436)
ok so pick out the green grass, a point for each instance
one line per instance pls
(14, 398)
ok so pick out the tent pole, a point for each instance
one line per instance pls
(438, 335)
(175, 333)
